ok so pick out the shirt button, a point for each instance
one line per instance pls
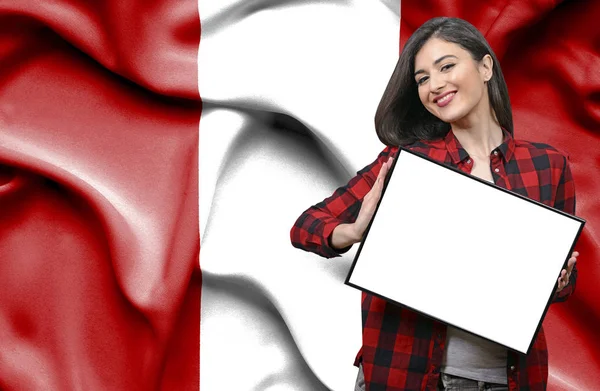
(512, 367)
(469, 161)
(496, 153)
(497, 170)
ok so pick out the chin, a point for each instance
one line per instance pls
(449, 117)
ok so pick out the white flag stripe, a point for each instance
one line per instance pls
(274, 317)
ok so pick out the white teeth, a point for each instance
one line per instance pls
(444, 99)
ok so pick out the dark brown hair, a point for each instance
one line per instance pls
(401, 118)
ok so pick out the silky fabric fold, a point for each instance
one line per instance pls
(99, 244)
(548, 52)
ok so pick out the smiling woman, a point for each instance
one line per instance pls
(428, 63)
(440, 79)
(446, 99)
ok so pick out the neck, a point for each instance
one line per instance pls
(479, 135)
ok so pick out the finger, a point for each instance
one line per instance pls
(563, 277)
(380, 177)
(575, 254)
(382, 174)
(384, 169)
(388, 166)
(571, 264)
(559, 285)
(373, 195)
(379, 184)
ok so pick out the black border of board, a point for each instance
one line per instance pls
(387, 179)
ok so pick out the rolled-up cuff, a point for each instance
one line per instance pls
(328, 249)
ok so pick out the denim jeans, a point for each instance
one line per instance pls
(360, 380)
(455, 383)
(447, 383)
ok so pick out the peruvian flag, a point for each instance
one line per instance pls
(155, 154)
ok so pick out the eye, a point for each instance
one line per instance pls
(446, 67)
(422, 80)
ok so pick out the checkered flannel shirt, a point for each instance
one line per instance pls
(403, 350)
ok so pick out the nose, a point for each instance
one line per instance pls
(436, 83)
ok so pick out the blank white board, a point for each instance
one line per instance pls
(464, 251)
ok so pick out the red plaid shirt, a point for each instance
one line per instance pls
(401, 349)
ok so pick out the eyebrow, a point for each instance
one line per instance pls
(436, 62)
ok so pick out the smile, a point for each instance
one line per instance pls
(443, 101)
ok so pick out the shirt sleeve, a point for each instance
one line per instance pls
(312, 230)
(565, 201)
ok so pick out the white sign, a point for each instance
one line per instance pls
(464, 251)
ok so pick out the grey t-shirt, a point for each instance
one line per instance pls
(474, 358)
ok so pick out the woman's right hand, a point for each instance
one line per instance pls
(345, 235)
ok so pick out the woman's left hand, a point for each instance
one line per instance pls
(563, 280)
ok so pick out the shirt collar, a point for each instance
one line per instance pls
(507, 148)
(458, 153)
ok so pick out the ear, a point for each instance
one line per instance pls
(486, 67)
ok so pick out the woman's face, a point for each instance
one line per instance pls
(450, 83)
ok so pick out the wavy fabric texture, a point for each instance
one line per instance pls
(289, 92)
(102, 167)
(549, 52)
(283, 123)
(99, 244)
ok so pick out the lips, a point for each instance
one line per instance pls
(444, 99)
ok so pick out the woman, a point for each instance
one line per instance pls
(447, 99)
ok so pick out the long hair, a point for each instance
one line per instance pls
(401, 118)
